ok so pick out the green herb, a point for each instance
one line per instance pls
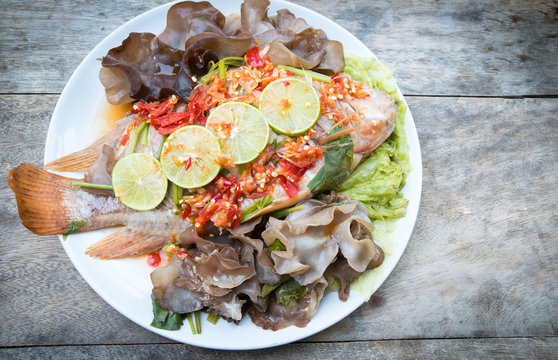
(225, 172)
(268, 289)
(256, 206)
(337, 164)
(212, 318)
(240, 168)
(91, 185)
(221, 66)
(277, 245)
(277, 144)
(163, 319)
(176, 192)
(280, 214)
(134, 138)
(161, 147)
(288, 293)
(302, 72)
(75, 225)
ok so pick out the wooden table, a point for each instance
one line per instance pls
(479, 277)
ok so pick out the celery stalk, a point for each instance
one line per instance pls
(161, 147)
(91, 185)
(145, 135)
(189, 317)
(134, 138)
(212, 318)
(176, 192)
(198, 321)
(302, 72)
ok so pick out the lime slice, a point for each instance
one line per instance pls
(138, 181)
(290, 105)
(189, 157)
(241, 129)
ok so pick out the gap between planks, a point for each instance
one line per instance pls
(488, 338)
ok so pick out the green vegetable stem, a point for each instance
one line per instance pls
(134, 138)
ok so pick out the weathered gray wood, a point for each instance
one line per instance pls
(518, 348)
(482, 260)
(438, 47)
(480, 263)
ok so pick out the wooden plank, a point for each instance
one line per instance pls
(480, 263)
(520, 348)
(478, 48)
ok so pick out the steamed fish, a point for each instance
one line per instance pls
(355, 119)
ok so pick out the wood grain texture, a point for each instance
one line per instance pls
(479, 277)
(480, 263)
(520, 348)
(483, 47)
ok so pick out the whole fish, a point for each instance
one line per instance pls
(48, 204)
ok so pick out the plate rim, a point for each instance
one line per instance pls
(412, 208)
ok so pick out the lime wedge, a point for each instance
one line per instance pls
(189, 157)
(138, 181)
(241, 129)
(291, 106)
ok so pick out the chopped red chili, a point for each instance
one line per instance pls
(184, 254)
(294, 172)
(188, 163)
(253, 57)
(258, 195)
(125, 139)
(187, 211)
(153, 259)
(290, 187)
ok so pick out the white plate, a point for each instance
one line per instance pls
(125, 284)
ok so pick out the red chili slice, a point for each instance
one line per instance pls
(171, 119)
(253, 57)
(169, 129)
(183, 254)
(188, 163)
(153, 259)
(258, 195)
(295, 172)
(125, 139)
(186, 212)
(290, 187)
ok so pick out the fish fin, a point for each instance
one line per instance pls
(126, 242)
(78, 161)
(82, 160)
(40, 199)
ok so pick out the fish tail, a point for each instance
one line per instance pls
(49, 204)
(39, 196)
(126, 242)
